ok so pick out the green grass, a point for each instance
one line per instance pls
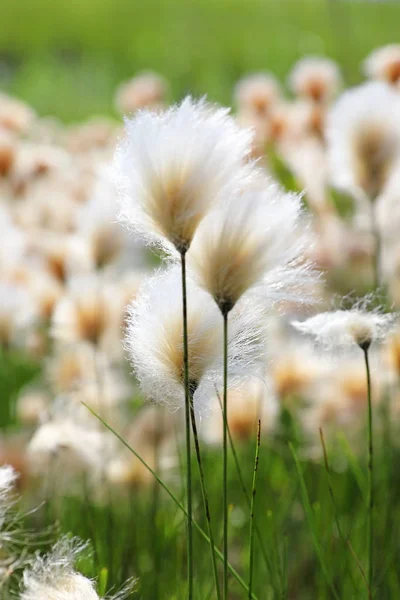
(67, 58)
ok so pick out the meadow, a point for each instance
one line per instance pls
(199, 329)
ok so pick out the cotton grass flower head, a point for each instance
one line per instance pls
(363, 135)
(85, 312)
(257, 93)
(316, 78)
(345, 329)
(145, 90)
(384, 64)
(255, 241)
(172, 166)
(53, 576)
(154, 341)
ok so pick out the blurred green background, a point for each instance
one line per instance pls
(66, 58)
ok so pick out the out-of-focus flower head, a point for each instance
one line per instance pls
(258, 94)
(145, 90)
(315, 78)
(384, 64)
(363, 135)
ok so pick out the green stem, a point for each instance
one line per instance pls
(377, 248)
(205, 497)
(344, 539)
(225, 458)
(219, 554)
(247, 496)
(370, 530)
(187, 431)
(253, 497)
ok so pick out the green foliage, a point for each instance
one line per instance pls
(66, 59)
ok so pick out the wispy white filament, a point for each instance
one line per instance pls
(255, 241)
(155, 341)
(172, 166)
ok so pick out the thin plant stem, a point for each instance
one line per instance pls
(311, 523)
(225, 458)
(253, 498)
(370, 528)
(187, 431)
(377, 247)
(205, 496)
(246, 494)
(345, 540)
(219, 554)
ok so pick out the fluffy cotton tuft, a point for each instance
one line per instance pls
(316, 78)
(363, 134)
(52, 577)
(343, 329)
(155, 341)
(384, 64)
(172, 166)
(255, 241)
(257, 93)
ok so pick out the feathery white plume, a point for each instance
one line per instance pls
(343, 329)
(155, 341)
(255, 241)
(172, 166)
(363, 134)
(315, 77)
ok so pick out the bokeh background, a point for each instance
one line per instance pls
(66, 58)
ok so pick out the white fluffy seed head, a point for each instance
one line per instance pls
(257, 93)
(384, 64)
(172, 166)
(255, 241)
(316, 78)
(363, 134)
(155, 341)
(52, 577)
(343, 329)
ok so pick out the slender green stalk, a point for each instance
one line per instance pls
(345, 540)
(225, 458)
(187, 431)
(205, 497)
(219, 554)
(253, 498)
(370, 528)
(377, 247)
(310, 518)
(247, 496)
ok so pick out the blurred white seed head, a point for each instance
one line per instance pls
(347, 328)
(363, 134)
(384, 64)
(15, 115)
(172, 166)
(257, 93)
(255, 241)
(145, 90)
(315, 78)
(154, 341)
(85, 312)
(18, 314)
(53, 577)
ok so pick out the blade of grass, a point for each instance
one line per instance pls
(311, 523)
(247, 498)
(233, 571)
(253, 498)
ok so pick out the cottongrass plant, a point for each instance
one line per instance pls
(54, 577)
(346, 329)
(171, 168)
(252, 244)
(155, 342)
(363, 134)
